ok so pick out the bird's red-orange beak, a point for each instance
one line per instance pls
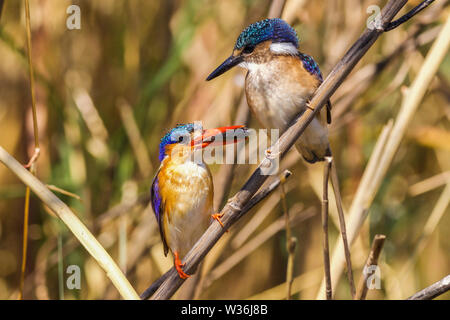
(220, 136)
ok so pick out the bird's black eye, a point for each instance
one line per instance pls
(248, 49)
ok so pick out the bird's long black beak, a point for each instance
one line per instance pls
(229, 63)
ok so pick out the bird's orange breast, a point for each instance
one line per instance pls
(187, 193)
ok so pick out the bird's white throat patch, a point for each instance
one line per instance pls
(283, 48)
(251, 66)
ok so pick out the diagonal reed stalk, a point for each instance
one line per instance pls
(74, 224)
(433, 291)
(257, 198)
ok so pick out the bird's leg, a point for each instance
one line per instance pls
(217, 216)
(179, 266)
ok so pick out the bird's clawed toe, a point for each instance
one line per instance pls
(217, 216)
(179, 266)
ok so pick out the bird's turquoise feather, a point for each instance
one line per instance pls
(276, 30)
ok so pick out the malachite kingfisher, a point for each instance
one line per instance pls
(182, 190)
(280, 82)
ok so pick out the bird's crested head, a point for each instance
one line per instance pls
(258, 43)
(276, 30)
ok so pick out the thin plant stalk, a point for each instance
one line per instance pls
(290, 241)
(326, 248)
(30, 69)
(25, 242)
(31, 163)
(60, 263)
(123, 254)
(338, 198)
(372, 260)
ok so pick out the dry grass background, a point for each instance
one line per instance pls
(107, 93)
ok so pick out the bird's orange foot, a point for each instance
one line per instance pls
(179, 266)
(217, 216)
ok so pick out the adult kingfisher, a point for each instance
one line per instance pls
(182, 190)
(280, 82)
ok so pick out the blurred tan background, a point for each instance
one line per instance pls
(106, 94)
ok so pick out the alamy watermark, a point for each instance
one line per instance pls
(74, 280)
(373, 275)
(374, 20)
(73, 21)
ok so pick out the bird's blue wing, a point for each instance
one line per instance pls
(158, 208)
(313, 68)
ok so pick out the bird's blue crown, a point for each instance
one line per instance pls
(181, 133)
(276, 30)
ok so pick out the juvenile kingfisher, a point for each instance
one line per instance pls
(280, 82)
(182, 190)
